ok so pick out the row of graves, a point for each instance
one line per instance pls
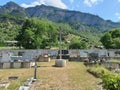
(22, 58)
(102, 57)
(26, 58)
(88, 55)
(93, 55)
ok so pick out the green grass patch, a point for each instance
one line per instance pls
(114, 60)
(98, 71)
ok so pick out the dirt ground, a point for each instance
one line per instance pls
(72, 77)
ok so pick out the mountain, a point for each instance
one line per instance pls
(12, 17)
(13, 9)
(61, 15)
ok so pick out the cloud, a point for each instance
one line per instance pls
(30, 5)
(118, 15)
(118, 0)
(90, 3)
(71, 1)
(55, 3)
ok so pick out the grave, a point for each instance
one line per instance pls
(6, 65)
(17, 65)
(1, 65)
(4, 84)
(43, 58)
(25, 64)
(13, 78)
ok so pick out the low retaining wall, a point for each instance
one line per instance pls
(8, 65)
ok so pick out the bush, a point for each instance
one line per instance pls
(96, 73)
(111, 81)
(2, 44)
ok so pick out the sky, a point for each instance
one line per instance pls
(106, 9)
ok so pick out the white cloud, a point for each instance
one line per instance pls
(30, 5)
(55, 3)
(118, 0)
(90, 3)
(118, 15)
(71, 1)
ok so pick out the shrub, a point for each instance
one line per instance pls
(2, 44)
(111, 81)
(97, 71)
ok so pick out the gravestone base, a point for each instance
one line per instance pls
(60, 63)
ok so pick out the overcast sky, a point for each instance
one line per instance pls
(106, 9)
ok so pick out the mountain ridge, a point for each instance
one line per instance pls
(13, 9)
(63, 15)
(59, 15)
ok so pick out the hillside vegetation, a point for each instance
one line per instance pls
(87, 27)
(10, 27)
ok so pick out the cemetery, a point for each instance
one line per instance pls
(23, 61)
(23, 58)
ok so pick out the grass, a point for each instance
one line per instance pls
(98, 71)
(23, 75)
(9, 48)
(72, 77)
(118, 61)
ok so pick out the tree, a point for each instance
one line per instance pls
(77, 44)
(111, 39)
(106, 40)
(36, 34)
